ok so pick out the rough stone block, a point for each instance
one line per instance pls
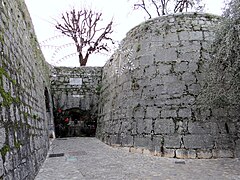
(17, 175)
(144, 125)
(184, 153)
(222, 153)
(160, 90)
(136, 150)
(192, 66)
(237, 149)
(194, 89)
(169, 153)
(168, 113)
(8, 162)
(181, 126)
(198, 141)
(156, 143)
(188, 78)
(196, 35)
(175, 88)
(164, 126)
(150, 71)
(183, 36)
(24, 172)
(157, 153)
(139, 112)
(181, 67)
(204, 154)
(183, 113)
(127, 140)
(190, 57)
(173, 101)
(147, 152)
(172, 141)
(171, 37)
(144, 142)
(169, 78)
(166, 55)
(1, 166)
(2, 137)
(148, 89)
(145, 60)
(115, 140)
(208, 36)
(198, 128)
(152, 112)
(224, 141)
(163, 68)
(188, 100)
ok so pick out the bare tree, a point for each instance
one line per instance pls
(182, 5)
(82, 27)
(161, 7)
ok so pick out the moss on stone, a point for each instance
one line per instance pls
(3, 72)
(1, 38)
(7, 98)
(138, 47)
(15, 126)
(35, 116)
(17, 144)
(5, 150)
(25, 115)
(98, 89)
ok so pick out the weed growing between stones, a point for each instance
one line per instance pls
(4, 150)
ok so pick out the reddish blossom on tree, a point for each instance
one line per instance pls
(82, 27)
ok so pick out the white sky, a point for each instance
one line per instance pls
(44, 14)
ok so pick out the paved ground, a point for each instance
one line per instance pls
(90, 159)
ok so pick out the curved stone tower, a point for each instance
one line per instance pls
(150, 88)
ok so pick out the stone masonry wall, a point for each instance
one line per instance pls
(76, 87)
(148, 100)
(24, 87)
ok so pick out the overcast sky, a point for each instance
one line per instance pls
(44, 14)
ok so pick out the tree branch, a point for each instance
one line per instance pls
(82, 28)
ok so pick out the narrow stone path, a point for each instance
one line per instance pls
(90, 159)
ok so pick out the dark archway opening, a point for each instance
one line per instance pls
(47, 100)
(74, 122)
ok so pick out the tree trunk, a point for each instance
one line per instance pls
(82, 61)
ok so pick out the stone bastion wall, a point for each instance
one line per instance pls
(150, 86)
(25, 103)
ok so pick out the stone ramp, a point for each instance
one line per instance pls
(90, 159)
